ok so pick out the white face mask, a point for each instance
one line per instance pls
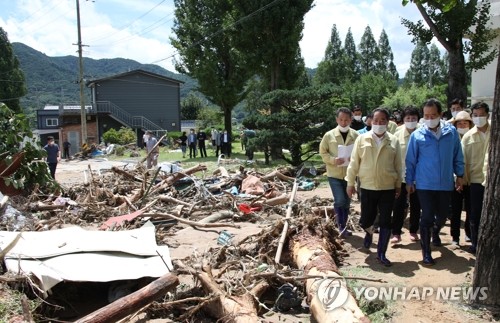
(479, 121)
(379, 129)
(411, 124)
(454, 113)
(344, 129)
(462, 131)
(357, 118)
(432, 123)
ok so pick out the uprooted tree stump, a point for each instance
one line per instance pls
(311, 249)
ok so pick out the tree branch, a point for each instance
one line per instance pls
(433, 27)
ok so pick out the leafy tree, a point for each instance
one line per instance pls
(369, 91)
(191, 106)
(352, 63)
(449, 24)
(207, 52)
(414, 95)
(331, 68)
(17, 139)
(437, 67)
(209, 117)
(12, 85)
(304, 117)
(268, 36)
(368, 52)
(385, 60)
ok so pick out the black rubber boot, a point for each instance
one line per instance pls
(473, 239)
(436, 240)
(425, 243)
(383, 241)
(368, 238)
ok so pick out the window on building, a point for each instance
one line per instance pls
(52, 122)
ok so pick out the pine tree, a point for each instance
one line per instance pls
(331, 68)
(351, 58)
(12, 84)
(385, 61)
(368, 52)
(418, 72)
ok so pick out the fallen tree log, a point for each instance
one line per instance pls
(238, 309)
(131, 303)
(276, 173)
(313, 255)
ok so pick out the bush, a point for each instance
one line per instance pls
(122, 137)
(16, 137)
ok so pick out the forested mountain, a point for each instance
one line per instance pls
(53, 80)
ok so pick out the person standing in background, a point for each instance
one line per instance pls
(357, 115)
(201, 137)
(53, 155)
(225, 140)
(153, 149)
(191, 141)
(183, 143)
(66, 146)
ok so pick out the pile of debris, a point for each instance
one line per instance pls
(240, 244)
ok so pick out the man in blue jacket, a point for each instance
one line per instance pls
(434, 154)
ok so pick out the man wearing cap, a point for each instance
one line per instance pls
(53, 155)
(463, 123)
(153, 149)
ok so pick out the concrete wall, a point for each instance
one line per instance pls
(483, 81)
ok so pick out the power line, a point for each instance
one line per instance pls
(127, 25)
(221, 30)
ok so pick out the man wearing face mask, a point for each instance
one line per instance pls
(336, 167)
(456, 105)
(474, 144)
(410, 118)
(433, 156)
(357, 115)
(376, 160)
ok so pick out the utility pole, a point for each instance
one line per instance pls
(80, 79)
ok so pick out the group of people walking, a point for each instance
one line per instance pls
(427, 165)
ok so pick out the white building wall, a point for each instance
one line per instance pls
(483, 81)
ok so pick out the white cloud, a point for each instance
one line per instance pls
(124, 28)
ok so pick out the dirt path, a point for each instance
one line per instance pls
(454, 268)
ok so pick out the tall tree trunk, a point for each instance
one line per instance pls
(228, 125)
(487, 270)
(457, 75)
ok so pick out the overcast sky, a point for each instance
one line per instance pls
(140, 29)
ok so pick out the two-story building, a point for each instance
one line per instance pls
(137, 99)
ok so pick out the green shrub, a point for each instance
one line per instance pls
(122, 137)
